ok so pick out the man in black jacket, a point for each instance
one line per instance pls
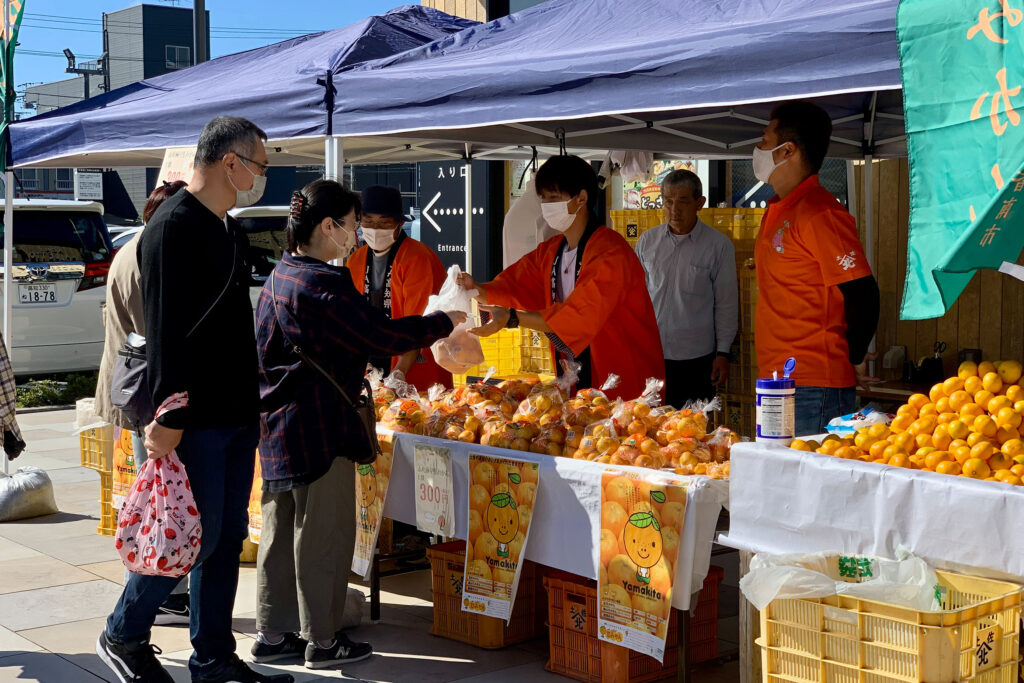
(201, 350)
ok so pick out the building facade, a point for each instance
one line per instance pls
(139, 42)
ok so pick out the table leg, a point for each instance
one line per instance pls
(750, 630)
(683, 675)
(375, 589)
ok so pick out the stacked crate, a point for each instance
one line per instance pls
(97, 453)
(741, 226)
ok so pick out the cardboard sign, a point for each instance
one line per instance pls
(179, 164)
(434, 491)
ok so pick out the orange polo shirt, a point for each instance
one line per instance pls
(807, 245)
(609, 311)
(417, 273)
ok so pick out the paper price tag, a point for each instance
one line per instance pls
(434, 490)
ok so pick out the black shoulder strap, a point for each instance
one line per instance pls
(298, 350)
(227, 285)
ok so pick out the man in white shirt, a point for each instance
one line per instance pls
(691, 276)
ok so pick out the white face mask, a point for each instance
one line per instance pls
(249, 197)
(379, 240)
(557, 215)
(347, 244)
(764, 163)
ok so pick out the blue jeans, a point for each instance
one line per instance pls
(816, 406)
(139, 453)
(219, 463)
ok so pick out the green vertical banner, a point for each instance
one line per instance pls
(962, 63)
(15, 8)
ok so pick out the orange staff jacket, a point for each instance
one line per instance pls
(609, 311)
(416, 274)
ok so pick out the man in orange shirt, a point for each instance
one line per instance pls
(817, 299)
(584, 288)
(397, 274)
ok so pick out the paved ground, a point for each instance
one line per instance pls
(59, 580)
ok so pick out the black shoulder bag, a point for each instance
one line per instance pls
(363, 406)
(129, 389)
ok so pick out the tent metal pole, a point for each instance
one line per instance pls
(334, 160)
(469, 209)
(869, 224)
(8, 220)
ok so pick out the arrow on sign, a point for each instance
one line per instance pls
(426, 212)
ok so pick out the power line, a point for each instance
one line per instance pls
(134, 24)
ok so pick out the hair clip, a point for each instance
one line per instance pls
(297, 204)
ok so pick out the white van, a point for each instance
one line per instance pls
(62, 255)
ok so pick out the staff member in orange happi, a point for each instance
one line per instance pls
(584, 288)
(397, 274)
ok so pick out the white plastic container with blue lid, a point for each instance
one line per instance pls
(776, 407)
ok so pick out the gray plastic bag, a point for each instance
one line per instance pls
(26, 493)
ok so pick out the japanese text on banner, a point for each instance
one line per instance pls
(501, 497)
(636, 552)
(434, 491)
(371, 491)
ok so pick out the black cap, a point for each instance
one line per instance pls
(385, 201)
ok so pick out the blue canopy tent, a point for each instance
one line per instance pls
(286, 88)
(660, 75)
(677, 77)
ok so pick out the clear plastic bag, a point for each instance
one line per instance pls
(906, 581)
(159, 532)
(461, 350)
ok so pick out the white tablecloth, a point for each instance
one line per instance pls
(787, 501)
(568, 498)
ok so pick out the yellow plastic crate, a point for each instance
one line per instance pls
(975, 638)
(108, 515)
(97, 448)
(511, 352)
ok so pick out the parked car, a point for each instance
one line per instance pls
(123, 237)
(62, 255)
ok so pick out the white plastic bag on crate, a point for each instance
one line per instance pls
(907, 581)
(461, 350)
(86, 416)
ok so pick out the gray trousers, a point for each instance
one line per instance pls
(305, 555)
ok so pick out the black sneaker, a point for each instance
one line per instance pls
(136, 663)
(341, 651)
(291, 646)
(175, 610)
(234, 670)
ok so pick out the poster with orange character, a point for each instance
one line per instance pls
(501, 496)
(256, 503)
(635, 553)
(124, 467)
(371, 490)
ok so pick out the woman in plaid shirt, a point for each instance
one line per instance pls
(306, 430)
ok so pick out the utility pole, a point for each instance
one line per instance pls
(201, 52)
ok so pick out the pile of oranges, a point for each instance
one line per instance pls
(970, 425)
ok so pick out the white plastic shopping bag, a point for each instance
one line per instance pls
(461, 350)
(907, 581)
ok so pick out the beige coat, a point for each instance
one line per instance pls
(122, 315)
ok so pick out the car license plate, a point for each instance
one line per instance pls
(37, 294)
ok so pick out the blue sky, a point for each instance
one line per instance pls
(49, 26)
